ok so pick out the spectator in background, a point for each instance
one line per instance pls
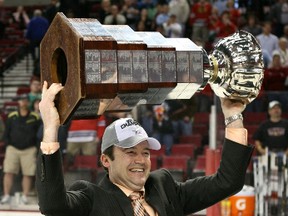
(225, 27)
(274, 82)
(150, 6)
(35, 91)
(163, 128)
(141, 26)
(185, 116)
(199, 20)
(221, 5)
(181, 9)
(285, 32)
(84, 135)
(115, 18)
(172, 108)
(21, 18)
(273, 133)
(214, 19)
(266, 58)
(252, 25)
(36, 107)
(163, 14)
(181, 114)
(275, 74)
(234, 12)
(104, 10)
(283, 51)
(146, 120)
(276, 63)
(145, 23)
(131, 13)
(172, 28)
(20, 138)
(268, 41)
(279, 16)
(52, 10)
(36, 30)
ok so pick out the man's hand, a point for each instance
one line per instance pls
(49, 113)
(231, 107)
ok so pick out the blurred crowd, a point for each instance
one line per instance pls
(203, 21)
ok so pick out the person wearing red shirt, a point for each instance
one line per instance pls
(214, 19)
(84, 135)
(234, 12)
(225, 27)
(199, 19)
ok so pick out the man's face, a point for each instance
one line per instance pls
(275, 111)
(283, 44)
(267, 28)
(130, 167)
(35, 86)
(23, 103)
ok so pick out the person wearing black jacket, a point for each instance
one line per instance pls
(125, 154)
(163, 129)
(272, 134)
(20, 139)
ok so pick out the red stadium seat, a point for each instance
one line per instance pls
(159, 152)
(200, 129)
(177, 165)
(194, 139)
(254, 117)
(201, 118)
(274, 79)
(183, 150)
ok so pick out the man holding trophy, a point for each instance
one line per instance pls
(234, 71)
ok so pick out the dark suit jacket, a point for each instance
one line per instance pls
(168, 197)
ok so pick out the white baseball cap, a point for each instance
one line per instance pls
(126, 133)
(274, 103)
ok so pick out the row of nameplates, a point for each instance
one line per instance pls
(141, 57)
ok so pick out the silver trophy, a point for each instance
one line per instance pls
(113, 68)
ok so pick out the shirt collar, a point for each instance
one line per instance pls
(127, 191)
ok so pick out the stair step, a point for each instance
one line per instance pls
(16, 83)
(16, 76)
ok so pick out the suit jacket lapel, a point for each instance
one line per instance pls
(154, 199)
(123, 201)
(152, 196)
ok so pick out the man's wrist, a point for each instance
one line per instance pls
(239, 135)
(233, 118)
(49, 147)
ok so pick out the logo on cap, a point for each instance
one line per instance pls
(129, 122)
